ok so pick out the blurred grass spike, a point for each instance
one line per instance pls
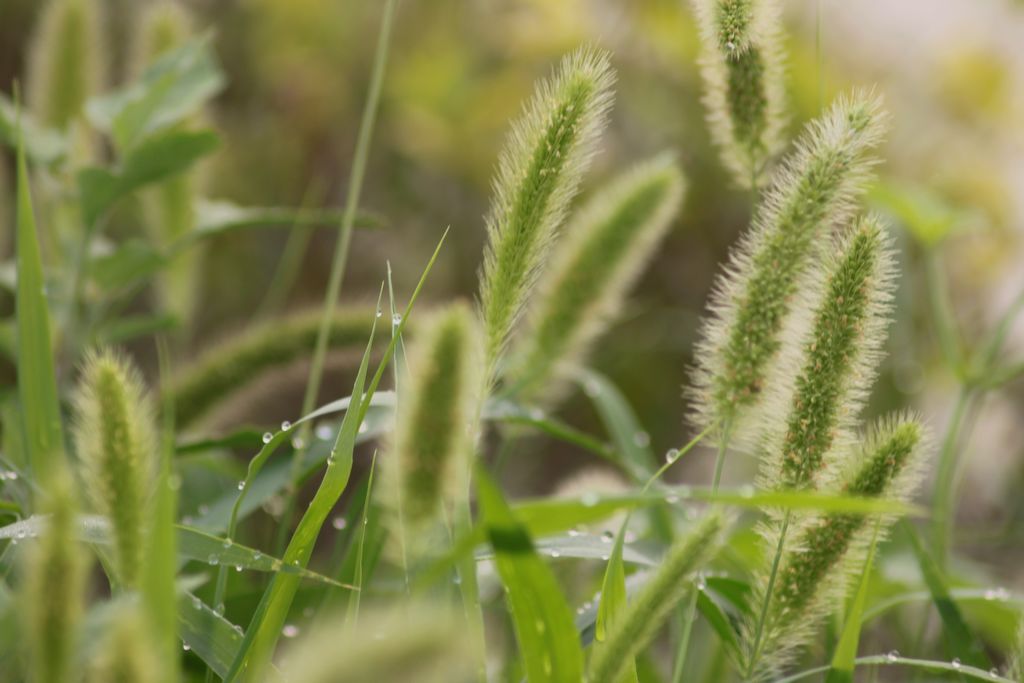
(742, 67)
(539, 171)
(828, 549)
(115, 438)
(163, 26)
(420, 643)
(837, 360)
(427, 465)
(127, 653)
(636, 627)
(752, 298)
(53, 585)
(65, 62)
(603, 252)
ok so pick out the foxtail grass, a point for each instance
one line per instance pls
(126, 653)
(539, 171)
(426, 466)
(633, 631)
(53, 586)
(751, 300)
(604, 250)
(66, 61)
(813, 572)
(742, 67)
(115, 439)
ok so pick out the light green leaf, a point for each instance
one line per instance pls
(157, 158)
(548, 644)
(173, 87)
(631, 441)
(37, 383)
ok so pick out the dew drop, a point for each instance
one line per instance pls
(642, 439)
(228, 543)
(219, 609)
(555, 553)
(573, 533)
(701, 583)
(993, 672)
(186, 647)
(379, 313)
(203, 509)
(671, 455)
(457, 579)
(291, 630)
(339, 523)
(267, 436)
(892, 656)
(605, 557)
(257, 556)
(197, 603)
(21, 534)
(589, 499)
(213, 559)
(956, 663)
(324, 432)
(607, 536)
(285, 426)
(396, 319)
(238, 629)
(298, 443)
(241, 485)
(730, 46)
(238, 567)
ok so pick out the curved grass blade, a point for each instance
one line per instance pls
(631, 441)
(954, 667)
(210, 636)
(1012, 601)
(613, 602)
(962, 642)
(265, 628)
(548, 645)
(37, 383)
(844, 659)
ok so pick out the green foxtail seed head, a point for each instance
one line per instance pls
(814, 190)
(604, 250)
(65, 63)
(636, 628)
(825, 377)
(427, 463)
(741, 64)
(163, 26)
(127, 653)
(539, 171)
(827, 549)
(115, 439)
(53, 586)
(417, 643)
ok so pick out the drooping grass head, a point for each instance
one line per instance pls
(751, 300)
(115, 439)
(539, 171)
(603, 252)
(427, 463)
(741, 65)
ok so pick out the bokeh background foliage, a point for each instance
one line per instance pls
(296, 74)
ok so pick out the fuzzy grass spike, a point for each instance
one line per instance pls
(116, 442)
(829, 548)
(837, 361)
(128, 654)
(426, 466)
(53, 588)
(741, 65)
(66, 63)
(539, 172)
(639, 623)
(604, 251)
(420, 643)
(741, 337)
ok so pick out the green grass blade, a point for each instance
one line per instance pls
(631, 441)
(962, 642)
(548, 645)
(209, 635)
(954, 667)
(613, 600)
(352, 612)
(37, 383)
(844, 658)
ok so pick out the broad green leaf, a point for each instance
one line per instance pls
(43, 145)
(157, 158)
(173, 87)
(548, 645)
(961, 640)
(37, 383)
(843, 660)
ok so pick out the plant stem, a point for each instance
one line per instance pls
(945, 478)
(355, 186)
(755, 653)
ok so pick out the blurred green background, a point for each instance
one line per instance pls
(298, 71)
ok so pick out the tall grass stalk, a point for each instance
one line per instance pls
(539, 172)
(338, 262)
